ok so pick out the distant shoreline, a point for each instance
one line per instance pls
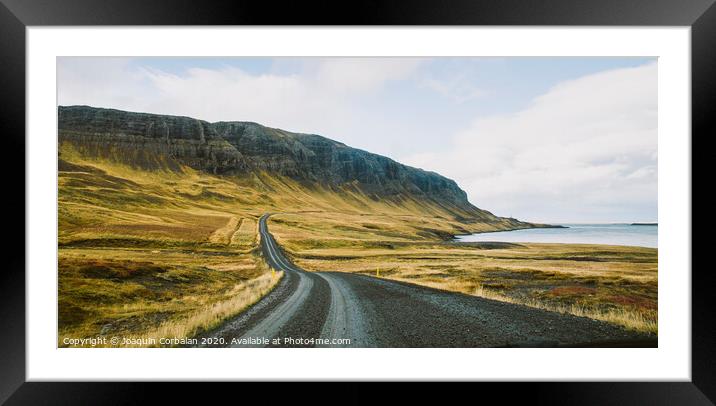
(624, 234)
(453, 237)
(644, 224)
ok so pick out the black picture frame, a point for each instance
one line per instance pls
(16, 15)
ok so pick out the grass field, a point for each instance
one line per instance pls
(144, 253)
(611, 283)
(149, 253)
(154, 292)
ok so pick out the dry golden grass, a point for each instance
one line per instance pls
(144, 250)
(223, 235)
(141, 249)
(132, 292)
(246, 233)
(198, 233)
(240, 297)
(611, 283)
(104, 203)
(640, 319)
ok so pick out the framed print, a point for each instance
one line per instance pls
(408, 192)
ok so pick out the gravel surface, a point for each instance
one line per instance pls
(313, 309)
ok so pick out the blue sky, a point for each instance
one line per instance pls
(508, 84)
(476, 120)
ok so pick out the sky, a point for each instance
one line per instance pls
(559, 140)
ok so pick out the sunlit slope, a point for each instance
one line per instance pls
(108, 203)
(127, 177)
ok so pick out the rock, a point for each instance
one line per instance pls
(148, 141)
(313, 158)
(152, 142)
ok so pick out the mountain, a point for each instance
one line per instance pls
(148, 141)
(316, 159)
(259, 154)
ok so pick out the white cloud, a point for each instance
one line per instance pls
(458, 88)
(359, 75)
(310, 101)
(585, 150)
(106, 82)
(581, 152)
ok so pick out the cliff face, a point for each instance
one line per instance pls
(154, 141)
(312, 158)
(148, 141)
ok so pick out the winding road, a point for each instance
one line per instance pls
(334, 309)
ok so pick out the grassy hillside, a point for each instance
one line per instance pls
(153, 253)
(105, 203)
(175, 249)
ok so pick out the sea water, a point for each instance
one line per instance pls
(612, 234)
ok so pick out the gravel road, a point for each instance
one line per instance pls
(335, 309)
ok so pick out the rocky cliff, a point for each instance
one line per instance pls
(153, 141)
(148, 141)
(312, 158)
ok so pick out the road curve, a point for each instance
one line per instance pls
(335, 309)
